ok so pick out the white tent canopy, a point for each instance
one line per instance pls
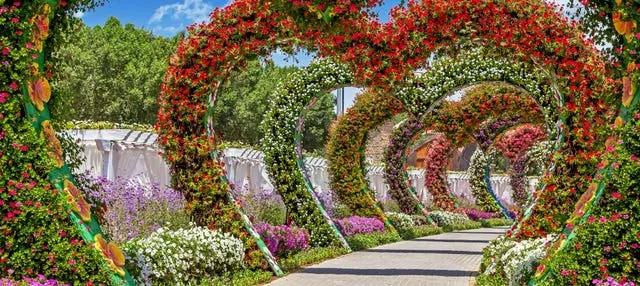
(135, 155)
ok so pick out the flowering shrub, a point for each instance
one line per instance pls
(353, 225)
(41, 280)
(283, 240)
(514, 145)
(261, 205)
(419, 220)
(435, 176)
(47, 226)
(610, 281)
(394, 169)
(400, 220)
(448, 218)
(508, 262)
(132, 210)
(282, 126)
(183, 256)
(477, 215)
(477, 182)
(345, 157)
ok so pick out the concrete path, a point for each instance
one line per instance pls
(445, 259)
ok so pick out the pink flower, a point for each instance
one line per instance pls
(607, 249)
(591, 219)
(616, 195)
(3, 96)
(15, 20)
(29, 45)
(17, 4)
(636, 116)
(603, 219)
(6, 51)
(565, 272)
(638, 36)
(24, 148)
(604, 261)
(13, 85)
(634, 246)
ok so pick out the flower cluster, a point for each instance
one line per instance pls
(184, 255)
(353, 225)
(477, 215)
(400, 220)
(448, 218)
(394, 169)
(260, 205)
(345, 155)
(478, 184)
(281, 126)
(435, 175)
(132, 209)
(283, 240)
(510, 263)
(514, 145)
(610, 281)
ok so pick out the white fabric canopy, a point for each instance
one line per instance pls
(133, 154)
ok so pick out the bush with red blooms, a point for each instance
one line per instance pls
(514, 145)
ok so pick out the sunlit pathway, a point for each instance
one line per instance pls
(446, 259)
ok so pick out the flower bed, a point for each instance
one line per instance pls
(354, 225)
(131, 209)
(283, 240)
(183, 256)
(443, 218)
(477, 215)
(400, 220)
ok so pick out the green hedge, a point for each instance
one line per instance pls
(309, 256)
(493, 222)
(368, 240)
(419, 231)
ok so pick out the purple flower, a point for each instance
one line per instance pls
(353, 225)
(283, 240)
(132, 209)
(477, 215)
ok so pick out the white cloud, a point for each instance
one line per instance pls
(78, 14)
(193, 10)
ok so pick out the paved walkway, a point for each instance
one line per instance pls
(445, 259)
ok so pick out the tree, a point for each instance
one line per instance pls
(243, 101)
(111, 73)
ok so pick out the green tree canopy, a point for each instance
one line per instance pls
(111, 73)
(114, 72)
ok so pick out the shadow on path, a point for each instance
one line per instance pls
(453, 240)
(424, 251)
(390, 272)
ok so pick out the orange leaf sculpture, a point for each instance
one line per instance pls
(55, 149)
(39, 92)
(628, 91)
(40, 24)
(111, 252)
(77, 201)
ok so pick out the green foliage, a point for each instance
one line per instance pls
(462, 226)
(610, 239)
(419, 231)
(368, 240)
(241, 278)
(341, 210)
(310, 256)
(243, 102)
(37, 235)
(110, 73)
(419, 220)
(494, 222)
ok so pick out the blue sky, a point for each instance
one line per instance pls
(168, 17)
